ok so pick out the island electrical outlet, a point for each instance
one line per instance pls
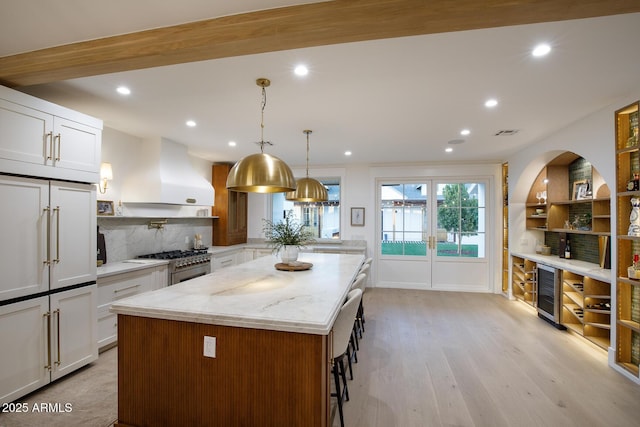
(210, 346)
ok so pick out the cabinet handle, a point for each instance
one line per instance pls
(47, 211)
(57, 211)
(48, 316)
(48, 155)
(58, 152)
(57, 311)
(125, 289)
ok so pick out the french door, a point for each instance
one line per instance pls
(433, 234)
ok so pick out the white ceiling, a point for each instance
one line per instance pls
(394, 100)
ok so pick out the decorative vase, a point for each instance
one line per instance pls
(634, 218)
(289, 254)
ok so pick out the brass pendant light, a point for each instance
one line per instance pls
(308, 189)
(261, 173)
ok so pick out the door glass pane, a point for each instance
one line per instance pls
(404, 224)
(461, 216)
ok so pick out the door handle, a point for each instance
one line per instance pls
(57, 311)
(48, 155)
(47, 212)
(48, 316)
(57, 211)
(57, 159)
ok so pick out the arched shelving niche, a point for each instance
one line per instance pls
(577, 204)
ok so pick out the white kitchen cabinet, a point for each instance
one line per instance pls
(41, 247)
(25, 346)
(46, 338)
(73, 254)
(118, 286)
(74, 329)
(226, 259)
(23, 227)
(42, 139)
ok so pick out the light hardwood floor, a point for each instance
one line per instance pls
(458, 359)
(428, 359)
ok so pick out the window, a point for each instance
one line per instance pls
(322, 218)
(404, 219)
(461, 215)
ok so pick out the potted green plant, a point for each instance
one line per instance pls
(286, 236)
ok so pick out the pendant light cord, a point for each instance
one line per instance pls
(264, 104)
(307, 132)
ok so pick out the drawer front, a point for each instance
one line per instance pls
(107, 329)
(120, 286)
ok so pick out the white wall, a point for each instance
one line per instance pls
(123, 151)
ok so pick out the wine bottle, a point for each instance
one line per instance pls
(567, 250)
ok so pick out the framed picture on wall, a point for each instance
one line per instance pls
(357, 217)
(105, 207)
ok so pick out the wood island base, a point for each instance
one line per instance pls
(258, 377)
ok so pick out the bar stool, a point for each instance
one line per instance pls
(342, 329)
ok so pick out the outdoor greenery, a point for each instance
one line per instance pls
(288, 232)
(458, 212)
(420, 248)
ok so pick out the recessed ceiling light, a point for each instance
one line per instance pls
(541, 50)
(456, 141)
(301, 70)
(448, 149)
(232, 143)
(465, 132)
(191, 123)
(347, 153)
(490, 103)
(123, 90)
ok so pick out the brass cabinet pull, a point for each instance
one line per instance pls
(115, 291)
(48, 155)
(47, 211)
(57, 211)
(58, 152)
(48, 316)
(57, 311)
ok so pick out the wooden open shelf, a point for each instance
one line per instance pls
(628, 312)
(524, 285)
(579, 295)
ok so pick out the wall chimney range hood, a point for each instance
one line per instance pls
(165, 175)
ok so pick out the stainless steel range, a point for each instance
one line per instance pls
(184, 265)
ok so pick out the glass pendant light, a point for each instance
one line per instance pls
(261, 173)
(308, 189)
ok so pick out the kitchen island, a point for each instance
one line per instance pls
(246, 345)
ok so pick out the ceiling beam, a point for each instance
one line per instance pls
(293, 27)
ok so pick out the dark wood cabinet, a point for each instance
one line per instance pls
(230, 228)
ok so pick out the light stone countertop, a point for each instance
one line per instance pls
(575, 266)
(256, 295)
(112, 268)
(315, 247)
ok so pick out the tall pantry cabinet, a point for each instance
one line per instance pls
(48, 293)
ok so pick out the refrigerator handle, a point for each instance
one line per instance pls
(48, 316)
(47, 212)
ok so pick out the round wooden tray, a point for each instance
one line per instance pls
(286, 267)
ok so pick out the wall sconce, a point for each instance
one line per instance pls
(106, 174)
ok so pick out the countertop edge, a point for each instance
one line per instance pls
(575, 266)
(223, 321)
(111, 269)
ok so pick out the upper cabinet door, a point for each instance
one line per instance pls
(25, 134)
(73, 234)
(76, 146)
(23, 227)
